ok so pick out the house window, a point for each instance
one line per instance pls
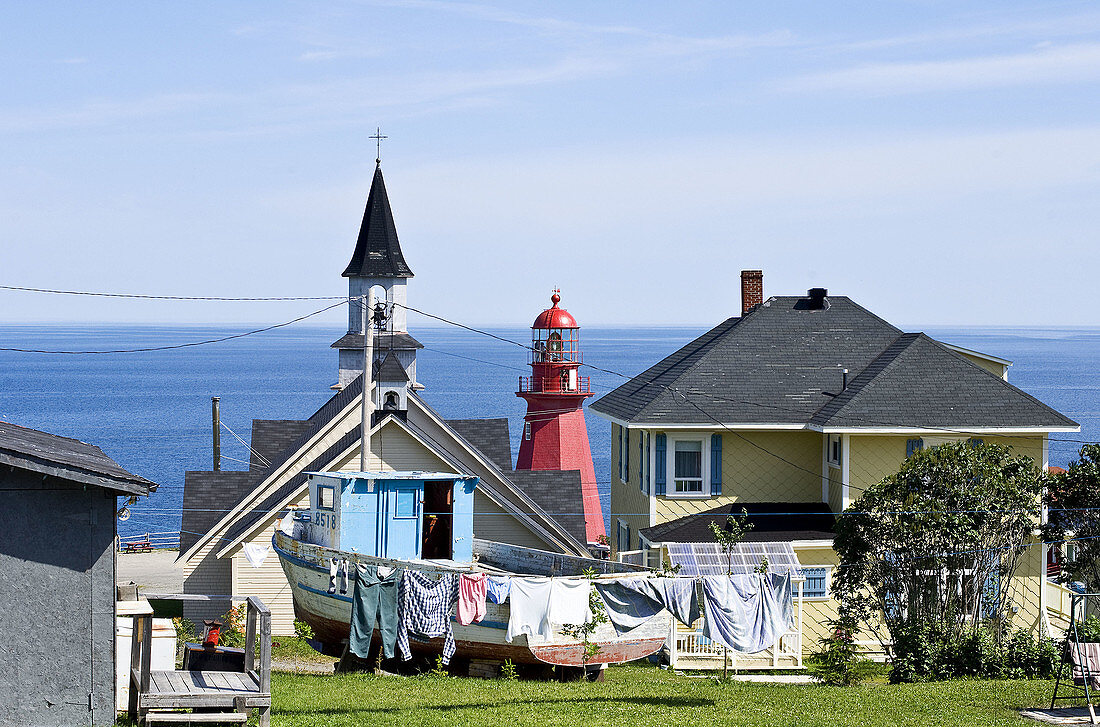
(527, 430)
(406, 503)
(326, 497)
(687, 464)
(623, 537)
(816, 585)
(835, 449)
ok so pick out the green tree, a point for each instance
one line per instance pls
(1073, 499)
(934, 547)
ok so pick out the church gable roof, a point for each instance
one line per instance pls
(377, 251)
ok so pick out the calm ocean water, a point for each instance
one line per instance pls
(151, 411)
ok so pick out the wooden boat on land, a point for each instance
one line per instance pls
(379, 519)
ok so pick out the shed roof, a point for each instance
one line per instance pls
(771, 522)
(71, 459)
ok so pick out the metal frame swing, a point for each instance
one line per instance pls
(1089, 671)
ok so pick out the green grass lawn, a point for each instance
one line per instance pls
(637, 695)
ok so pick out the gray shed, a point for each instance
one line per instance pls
(58, 505)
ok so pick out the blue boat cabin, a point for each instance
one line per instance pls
(402, 515)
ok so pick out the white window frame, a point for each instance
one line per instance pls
(837, 441)
(670, 466)
(527, 430)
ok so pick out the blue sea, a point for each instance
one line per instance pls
(151, 411)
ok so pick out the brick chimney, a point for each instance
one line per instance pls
(752, 289)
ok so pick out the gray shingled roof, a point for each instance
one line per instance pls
(933, 387)
(377, 251)
(70, 459)
(558, 493)
(488, 436)
(771, 521)
(390, 370)
(271, 437)
(781, 364)
(207, 497)
(382, 341)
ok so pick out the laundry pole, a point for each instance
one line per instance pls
(366, 404)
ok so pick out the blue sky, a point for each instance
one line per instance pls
(936, 161)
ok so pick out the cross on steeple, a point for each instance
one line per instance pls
(378, 137)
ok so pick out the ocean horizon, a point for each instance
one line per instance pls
(151, 411)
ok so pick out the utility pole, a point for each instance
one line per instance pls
(216, 418)
(367, 405)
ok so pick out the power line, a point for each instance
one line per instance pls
(174, 346)
(143, 296)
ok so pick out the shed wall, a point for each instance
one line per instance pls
(57, 568)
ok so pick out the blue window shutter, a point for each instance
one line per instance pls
(913, 446)
(991, 593)
(660, 473)
(626, 455)
(975, 442)
(715, 464)
(814, 586)
(619, 454)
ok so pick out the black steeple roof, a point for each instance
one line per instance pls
(377, 252)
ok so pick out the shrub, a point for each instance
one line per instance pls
(302, 630)
(837, 662)
(926, 653)
(232, 633)
(1089, 630)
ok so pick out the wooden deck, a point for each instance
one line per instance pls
(232, 695)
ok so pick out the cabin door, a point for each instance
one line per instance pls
(402, 521)
(438, 519)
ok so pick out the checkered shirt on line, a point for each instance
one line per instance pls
(425, 611)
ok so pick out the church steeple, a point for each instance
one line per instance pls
(378, 251)
(377, 264)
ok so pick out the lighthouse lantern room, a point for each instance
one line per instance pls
(554, 433)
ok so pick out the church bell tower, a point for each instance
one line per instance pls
(378, 264)
(554, 433)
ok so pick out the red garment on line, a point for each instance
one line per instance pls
(471, 598)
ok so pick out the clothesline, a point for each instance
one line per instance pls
(746, 613)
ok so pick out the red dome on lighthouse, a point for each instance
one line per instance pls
(555, 317)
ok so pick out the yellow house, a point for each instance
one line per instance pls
(791, 411)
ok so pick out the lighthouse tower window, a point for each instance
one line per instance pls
(554, 344)
(527, 430)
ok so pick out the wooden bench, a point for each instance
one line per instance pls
(141, 546)
(234, 694)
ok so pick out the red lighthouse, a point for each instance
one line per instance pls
(554, 434)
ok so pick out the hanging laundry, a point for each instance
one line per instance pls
(497, 589)
(630, 602)
(342, 572)
(333, 567)
(374, 600)
(256, 553)
(569, 601)
(472, 589)
(530, 608)
(747, 613)
(425, 611)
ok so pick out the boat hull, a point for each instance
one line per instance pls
(329, 615)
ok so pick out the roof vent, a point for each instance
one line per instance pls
(816, 298)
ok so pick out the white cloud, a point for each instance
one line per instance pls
(1045, 64)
